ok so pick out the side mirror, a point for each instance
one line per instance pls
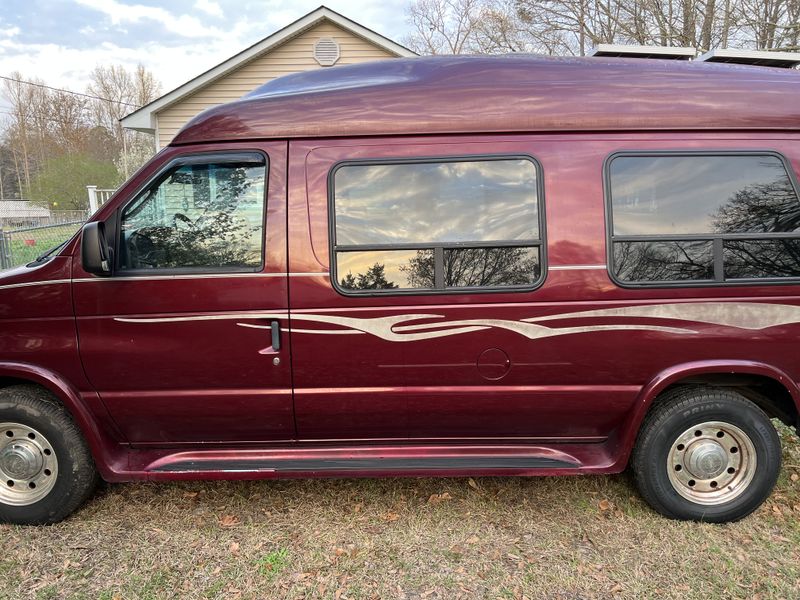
(95, 253)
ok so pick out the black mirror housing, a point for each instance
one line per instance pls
(95, 252)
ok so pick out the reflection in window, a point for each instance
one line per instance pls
(749, 259)
(198, 216)
(458, 201)
(663, 261)
(491, 267)
(761, 208)
(383, 270)
(410, 225)
(715, 203)
(683, 195)
(416, 269)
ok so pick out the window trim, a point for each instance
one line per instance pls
(717, 240)
(199, 158)
(540, 243)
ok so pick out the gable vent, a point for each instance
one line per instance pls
(326, 52)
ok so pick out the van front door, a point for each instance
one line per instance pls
(183, 342)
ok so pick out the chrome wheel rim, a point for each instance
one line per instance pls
(28, 465)
(711, 463)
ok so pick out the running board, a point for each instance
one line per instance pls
(343, 465)
(384, 460)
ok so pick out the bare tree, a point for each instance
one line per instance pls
(445, 26)
(572, 27)
(21, 99)
(115, 85)
(46, 125)
(68, 123)
(772, 24)
(120, 92)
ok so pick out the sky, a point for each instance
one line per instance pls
(61, 41)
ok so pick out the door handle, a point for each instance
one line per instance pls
(275, 328)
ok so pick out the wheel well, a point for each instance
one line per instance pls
(8, 381)
(767, 393)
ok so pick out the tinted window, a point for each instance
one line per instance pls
(703, 218)
(199, 216)
(747, 259)
(680, 195)
(464, 201)
(490, 267)
(437, 224)
(385, 269)
(664, 261)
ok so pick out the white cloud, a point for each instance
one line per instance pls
(70, 67)
(9, 32)
(198, 41)
(209, 7)
(183, 25)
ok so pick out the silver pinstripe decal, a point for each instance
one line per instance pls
(396, 328)
(158, 278)
(10, 286)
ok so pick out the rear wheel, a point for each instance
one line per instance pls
(706, 454)
(46, 470)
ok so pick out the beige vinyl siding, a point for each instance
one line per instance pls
(291, 57)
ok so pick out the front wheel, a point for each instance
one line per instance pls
(706, 454)
(46, 470)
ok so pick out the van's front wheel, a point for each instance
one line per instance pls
(706, 454)
(46, 470)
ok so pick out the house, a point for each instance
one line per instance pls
(322, 38)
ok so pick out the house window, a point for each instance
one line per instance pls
(206, 215)
(702, 218)
(437, 225)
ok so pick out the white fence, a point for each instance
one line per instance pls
(98, 197)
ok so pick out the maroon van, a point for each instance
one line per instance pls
(429, 267)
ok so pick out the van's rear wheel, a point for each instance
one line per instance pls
(46, 470)
(706, 454)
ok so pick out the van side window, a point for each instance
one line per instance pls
(444, 224)
(701, 218)
(206, 216)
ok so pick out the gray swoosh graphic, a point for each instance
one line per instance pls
(743, 315)
(400, 328)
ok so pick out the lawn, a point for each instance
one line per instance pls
(559, 538)
(27, 245)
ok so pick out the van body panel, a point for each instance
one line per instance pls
(563, 383)
(167, 353)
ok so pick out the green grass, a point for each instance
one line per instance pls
(27, 245)
(273, 563)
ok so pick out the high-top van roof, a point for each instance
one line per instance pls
(514, 93)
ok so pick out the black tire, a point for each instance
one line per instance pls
(76, 476)
(683, 408)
